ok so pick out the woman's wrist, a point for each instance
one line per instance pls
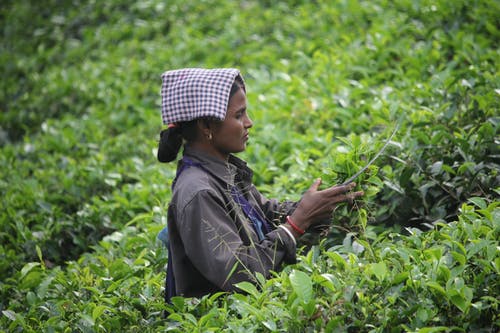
(290, 230)
(299, 219)
(297, 229)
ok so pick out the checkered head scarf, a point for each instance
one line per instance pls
(193, 93)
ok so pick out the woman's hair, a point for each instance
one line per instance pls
(172, 138)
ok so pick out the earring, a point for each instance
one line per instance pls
(209, 136)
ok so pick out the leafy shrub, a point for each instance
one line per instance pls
(441, 280)
(426, 281)
(83, 198)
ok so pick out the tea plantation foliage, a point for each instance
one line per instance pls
(83, 198)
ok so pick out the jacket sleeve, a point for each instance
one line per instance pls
(221, 251)
(276, 213)
(274, 210)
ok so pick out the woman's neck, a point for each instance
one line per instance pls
(209, 149)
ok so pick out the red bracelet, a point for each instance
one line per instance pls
(294, 226)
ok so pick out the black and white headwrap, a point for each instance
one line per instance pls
(193, 93)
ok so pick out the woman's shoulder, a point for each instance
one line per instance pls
(192, 178)
(191, 182)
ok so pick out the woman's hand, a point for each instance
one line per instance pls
(318, 205)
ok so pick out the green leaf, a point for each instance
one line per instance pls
(206, 318)
(10, 314)
(175, 317)
(87, 320)
(302, 285)
(31, 298)
(400, 277)
(363, 218)
(406, 174)
(459, 257)
(380, 270)
(249, 288)
(437, 287)
(497, 265)
(44, 286)
(179, 303)
(98, 311)
(459, 301)
(31, 279)
(337, 259)
(310, 307)
(434, 253)
(39, 254)
(436, 168)
(192, 319)
(270, 325)
(215, 296)
(467, 166)
(433, 329)
(28, 267)
(422, 315)
(261, 280)
(479, 202)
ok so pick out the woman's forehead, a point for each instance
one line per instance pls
(237, 102)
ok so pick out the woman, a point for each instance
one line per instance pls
(221, 230)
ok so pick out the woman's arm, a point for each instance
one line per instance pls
(224, 253)
(274, 210)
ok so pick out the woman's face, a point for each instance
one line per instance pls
(231, 135)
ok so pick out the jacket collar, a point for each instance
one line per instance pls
(233, 171)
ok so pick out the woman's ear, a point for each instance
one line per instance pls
(204, 127)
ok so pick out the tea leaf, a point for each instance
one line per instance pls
(380, 270)
(98, 311)
(10, 314)
(248, 288)
(479, 202)
(437, 287)
(302, 285)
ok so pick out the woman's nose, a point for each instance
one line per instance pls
(248, 122)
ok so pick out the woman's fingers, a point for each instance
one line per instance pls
(357, 194)
(353, 195)
(340, 189)
(316, 205)
(332, 191)
(334, 194)
(348, 197)
(315, 185)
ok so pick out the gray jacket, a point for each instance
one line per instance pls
(213, 244)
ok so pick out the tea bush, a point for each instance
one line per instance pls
(82, 196)
(441, 280)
